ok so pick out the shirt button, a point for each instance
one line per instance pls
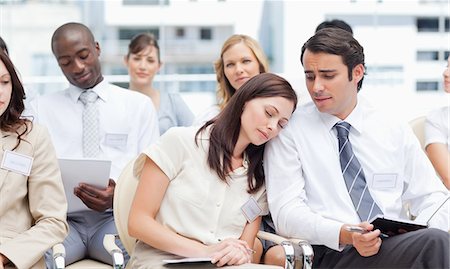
(218, 204)
(211, 231)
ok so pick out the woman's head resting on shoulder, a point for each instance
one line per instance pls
(241, 58)
(142, 60)
(254, 115)
(260, 109)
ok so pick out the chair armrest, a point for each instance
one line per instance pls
(109, 243)
(294, 249)
(271, 237)
(59, 255)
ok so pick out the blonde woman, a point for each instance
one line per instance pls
(241, 58)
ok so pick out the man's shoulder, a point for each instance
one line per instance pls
(52, 97)
(304, 112)
(117, 90)
(126, 96)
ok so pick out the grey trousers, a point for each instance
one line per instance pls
(85, 239)
(426, 248)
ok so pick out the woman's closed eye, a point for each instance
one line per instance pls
(283, 123)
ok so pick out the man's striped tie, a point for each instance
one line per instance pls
(354, 175)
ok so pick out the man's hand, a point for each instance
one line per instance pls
(368, 243)
(98, 199)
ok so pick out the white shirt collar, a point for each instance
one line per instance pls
(355, 118)
(100, 89)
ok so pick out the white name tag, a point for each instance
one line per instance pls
(116, 140)
(251, 209)
(16, 162)
(384, 181)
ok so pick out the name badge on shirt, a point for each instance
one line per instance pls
(251, 209)
(116, 140)
(16, 162)
(384, 181)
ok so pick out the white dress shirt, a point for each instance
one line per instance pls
(128, 123)
(306, 191)
(437, 127)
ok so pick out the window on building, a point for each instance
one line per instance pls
(427, 86)
(447, 24)
(427, 55)
(129, 33)
(205, 33)
(428, 24)
(446, 54)
(179, 32)
(146, 2)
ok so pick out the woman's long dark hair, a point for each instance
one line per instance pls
(226, 126)
(10, 120)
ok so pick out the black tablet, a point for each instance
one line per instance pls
(393, 227)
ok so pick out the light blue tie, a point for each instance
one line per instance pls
(354, 175)
(91, 136)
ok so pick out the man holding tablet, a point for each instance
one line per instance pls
(340, 162)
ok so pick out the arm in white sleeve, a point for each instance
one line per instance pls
(288, 198)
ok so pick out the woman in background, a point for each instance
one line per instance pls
(437, 135)
(241, 58)
(143, 62)
(32, 201)
(201, 191)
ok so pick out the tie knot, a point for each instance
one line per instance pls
(343, 129)
(88, 96)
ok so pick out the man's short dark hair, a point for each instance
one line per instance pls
(338, 42)
(336, 24)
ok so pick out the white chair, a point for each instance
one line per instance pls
(418, 127)
(298, 252)
(59, 254)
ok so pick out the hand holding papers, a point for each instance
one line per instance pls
(75, 171)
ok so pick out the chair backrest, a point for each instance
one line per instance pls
(418, 127)
(123, 197)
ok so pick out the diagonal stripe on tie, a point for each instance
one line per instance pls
(354, 175)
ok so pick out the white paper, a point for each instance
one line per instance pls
(74, 171)
(187, 260)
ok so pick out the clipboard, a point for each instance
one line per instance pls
(73, 171)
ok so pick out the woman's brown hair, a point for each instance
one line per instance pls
(10, 120)
(226, 126)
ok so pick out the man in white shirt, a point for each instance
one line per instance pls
(125, 124)
(307, 168)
